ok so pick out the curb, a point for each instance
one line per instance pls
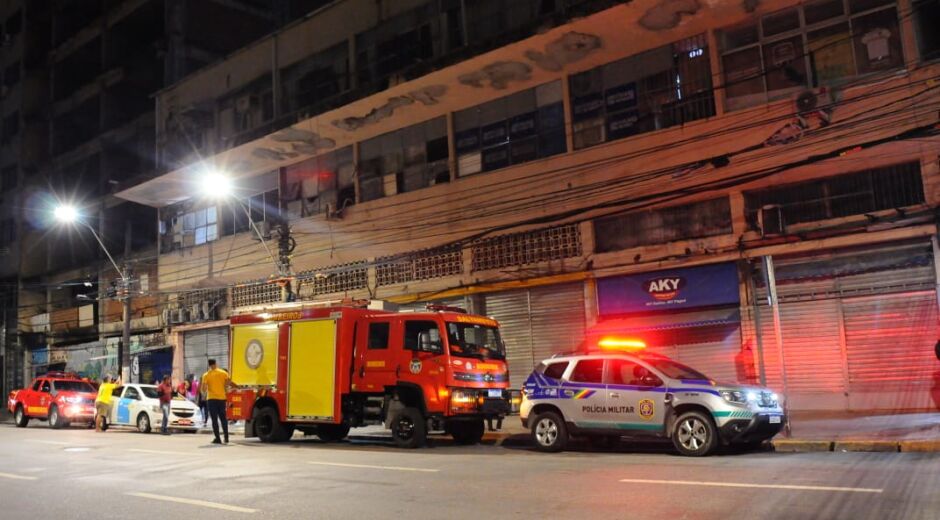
(868, 446)
(798, 446)
(920, 446)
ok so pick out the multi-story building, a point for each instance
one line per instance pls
(653, 169)
(78, 126)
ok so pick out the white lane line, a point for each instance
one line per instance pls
(191, 502)
(17, 477)
(369, 466)
(746, 485)
(161, 452)
(57, 443)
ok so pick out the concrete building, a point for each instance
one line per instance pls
(78, 127)
(578, 169)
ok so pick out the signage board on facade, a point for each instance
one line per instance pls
(682, 288)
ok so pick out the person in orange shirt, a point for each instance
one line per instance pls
(215, 383)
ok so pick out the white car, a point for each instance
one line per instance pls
(139, 405)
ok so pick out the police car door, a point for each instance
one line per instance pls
(584, 396)
(635, 397)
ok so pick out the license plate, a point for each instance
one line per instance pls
(494, 393)
(774, 419)
(185, 422)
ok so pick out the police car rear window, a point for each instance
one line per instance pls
(555, 370)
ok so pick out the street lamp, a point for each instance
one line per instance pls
(68, 214)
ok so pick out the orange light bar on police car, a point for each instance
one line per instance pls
(621, 344)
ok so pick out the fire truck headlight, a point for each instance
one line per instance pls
(463, 397)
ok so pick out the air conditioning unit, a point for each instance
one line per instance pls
(770, 221)
(264, 229)
(818, 103)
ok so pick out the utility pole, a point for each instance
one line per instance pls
(124, 349)
(285, 247)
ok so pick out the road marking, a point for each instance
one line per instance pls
(745, 485)
(161, 452)
(17, 477)
(189, 501)
(57, 443)
(369, 466)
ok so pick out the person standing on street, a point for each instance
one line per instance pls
(103, 402)
(215, 383)
(165, 393)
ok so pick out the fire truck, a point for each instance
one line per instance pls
(325, 370)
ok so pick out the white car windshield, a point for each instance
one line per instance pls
(150, 392)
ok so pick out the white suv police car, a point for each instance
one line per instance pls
(634, 393)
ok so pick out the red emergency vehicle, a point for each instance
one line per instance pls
(58, 397)
(325, 370)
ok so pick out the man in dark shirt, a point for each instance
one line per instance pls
(165, 392)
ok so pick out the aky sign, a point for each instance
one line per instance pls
(705, 285)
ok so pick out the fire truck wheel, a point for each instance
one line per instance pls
(20, 417)
(409, 429)
(332, 432)
(466, 432)
(269, 427)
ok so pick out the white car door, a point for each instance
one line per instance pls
(115, 415)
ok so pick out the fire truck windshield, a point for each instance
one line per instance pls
(476, 341)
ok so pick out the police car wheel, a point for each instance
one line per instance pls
(549, 432)
(20, 417)
(695, 434)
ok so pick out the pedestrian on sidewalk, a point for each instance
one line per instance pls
(165, 394)
(215, 383)
(103, 402)
(182, 389)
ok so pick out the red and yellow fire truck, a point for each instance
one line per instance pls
(325, 370)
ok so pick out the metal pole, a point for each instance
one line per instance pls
(758, 333)
(277, 265)
(125, 354)
(774, 303)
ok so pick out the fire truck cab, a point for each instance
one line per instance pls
(325, 370)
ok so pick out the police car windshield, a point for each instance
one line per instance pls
(72, 386)
(674, 370)
(475, 341)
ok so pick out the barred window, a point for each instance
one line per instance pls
(421, 265)
(190, 298)
(841, 196)
(334, 279)
(255, 294)
(527, 248)
(659, 226)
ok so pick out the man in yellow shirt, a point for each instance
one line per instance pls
(103, 401)
(215, 383)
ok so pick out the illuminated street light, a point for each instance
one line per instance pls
(216, 184)
(66, 214)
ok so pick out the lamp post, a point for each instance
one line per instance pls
(68, 214)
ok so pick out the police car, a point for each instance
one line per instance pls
(624, 390)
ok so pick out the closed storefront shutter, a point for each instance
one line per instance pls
(715, 353)
(201, 345)
(217, 347)
(890, 342)
(537, 323)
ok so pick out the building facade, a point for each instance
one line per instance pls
(576, 169)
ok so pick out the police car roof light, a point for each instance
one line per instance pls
(611, 343)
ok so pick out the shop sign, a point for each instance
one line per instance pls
(689, 287)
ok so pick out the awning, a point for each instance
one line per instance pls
(685, 320)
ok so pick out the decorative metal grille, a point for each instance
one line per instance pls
(334, 279)
(190, 298)
(420, 265)
(255, 294)
(527, 248)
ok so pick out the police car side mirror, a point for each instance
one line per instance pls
(650, 380)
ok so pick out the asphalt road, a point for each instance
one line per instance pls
(77, 473)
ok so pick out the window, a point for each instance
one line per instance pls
(46, 388)
(514, 129)
(37, 384)
(404, 160)
(623, 372)
(588, 371)
(150, 392)
(676, 370)
(555, 370)
(132, 393)
(378, 336)
(926, 21)
(72, 386)
(314, 185)
(841, 196)
(475, 341)
(820, 43)
(414, 329)
(659, 88)
(659, 226)
(315, 83)
(116, 393)
(202, 225)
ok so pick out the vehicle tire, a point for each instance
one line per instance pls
(695, 434)
(549, 432)
(332, 432)
(56, 420)
(143, 423)
(409, 428)
(269, 427)
(466, 432)
(19, 417)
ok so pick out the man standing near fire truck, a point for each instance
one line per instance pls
(215, 383)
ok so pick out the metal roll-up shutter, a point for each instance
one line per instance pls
(557, 317)
(217, 346)
(890, 345)
(194, 352)
(812, 347)
(714, 352)
(511, 310)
